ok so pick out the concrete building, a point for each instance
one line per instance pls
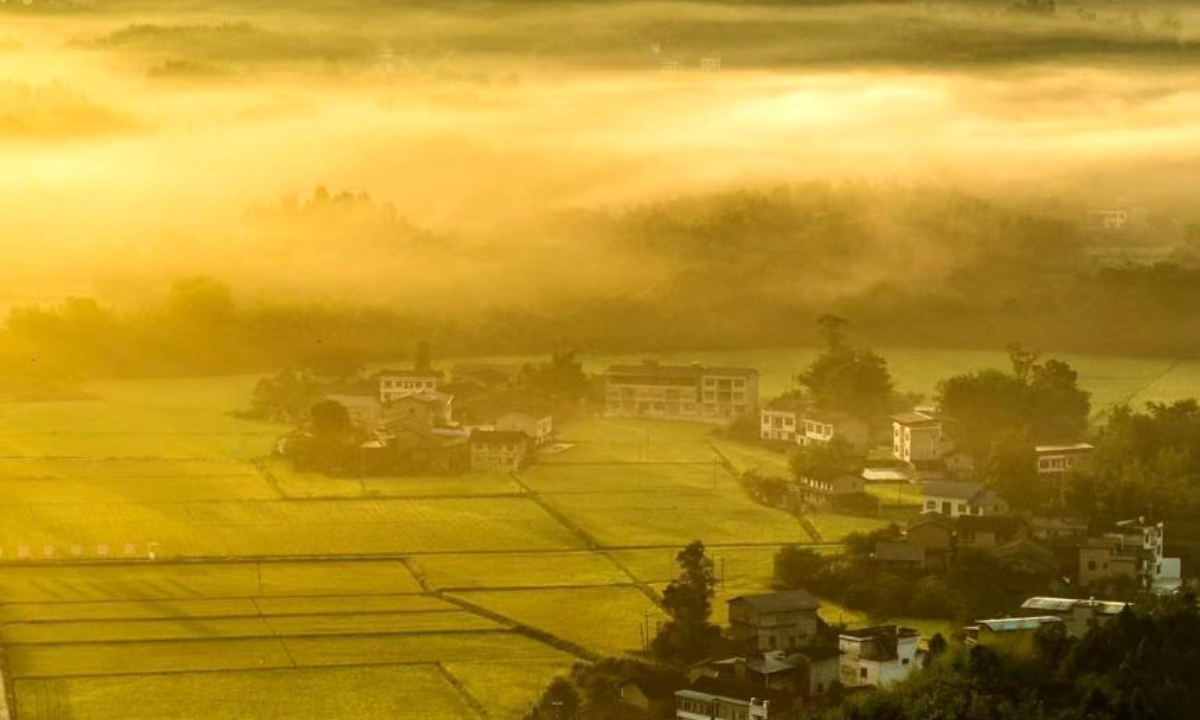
(707, 701)
(428, 406)
(785, 620)
(499, 450)
(821, 494)
(820, 428)
(1059, 459)
(394, 383)
(539, 427)
(877, 656)
(680, 392)
(953, 499)
(779, 420)
(917, 438)
(1078, 615)
(1131, 549)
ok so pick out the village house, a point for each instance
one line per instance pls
(395, 383)
(499, 450)
(1055, 530)
(777, 620)
(707, 700)
(1078, 615)
(806, 673)
(953, 499)
(1132, 549)
(983, 632)
(917, 438)
(821, 494)
(428, 406)
(988, 532)
(821, 428)
(779, 419)
(1055, 460)
(680, 392)
(877, 656)
(537, 426)
(407, 445)
(365, 410)
(899, 555)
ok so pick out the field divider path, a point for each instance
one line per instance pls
(453, 681)
(521, 628)
(269, 477)
(274, 631)
(653, 595)
(589, 542)
(808, 527)
(529, 631)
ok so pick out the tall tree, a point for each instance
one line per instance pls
(846, 378)
(688, 635)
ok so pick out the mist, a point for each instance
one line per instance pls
(143, 144)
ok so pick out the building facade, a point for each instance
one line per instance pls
(784, 620)
(877, 656)
(680, 392)
(394, 383)
(499, 450)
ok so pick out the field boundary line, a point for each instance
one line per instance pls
(231, 638)
(242, 616)
(589, 542)
(529, 631)
(653, 595)
(460, 687)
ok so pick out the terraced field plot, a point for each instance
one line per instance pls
(519, 570)
(274, 528)
(314, 485)
(604, 619)
(288, 694)
(509, 688)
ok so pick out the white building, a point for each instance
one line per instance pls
(694, 704)
(779, 420)
(917, 437)
(1058, 459)
(877, 656)
(680, 392)
(394, 383)
(953, 499)
(1133, 549)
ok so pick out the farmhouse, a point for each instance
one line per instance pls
(680, 392)
(777, 620)
(428, 406)
(981, 632)
(877, 656)
(1078, 615)
(503, 450)
(806, 673)
(708, 699)
(917, 437)
(822, 494)
(953, 499)
(365, 410)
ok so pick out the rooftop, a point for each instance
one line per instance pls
(1075, 447)
(1053, 604)
(946, 488)
(1018, 624)
(915, 418)
(782, 601)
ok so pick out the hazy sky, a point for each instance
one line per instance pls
(107, 169)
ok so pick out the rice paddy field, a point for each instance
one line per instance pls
(154, 563)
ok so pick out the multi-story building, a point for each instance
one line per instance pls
(502, 450)
(681, 392)
(395, 383)
(1132, 549)
(784, 620)
(1059, 459)
(961, 498)
(780, 419)
(877, 656)
(820, 428)
(917, 437)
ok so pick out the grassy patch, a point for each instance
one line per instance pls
(517, 570)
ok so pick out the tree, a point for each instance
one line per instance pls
(845, 378)
(688, 635)
(423, 358)
(1011, 469)
(559, 702)
(825, 462)
(796, 566)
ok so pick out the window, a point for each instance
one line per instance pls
(820, 688)
(931, 504)
(1092, 565)
(862, 672)
(962, 507)
(904, 661)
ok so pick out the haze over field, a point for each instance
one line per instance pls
(137, 135)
